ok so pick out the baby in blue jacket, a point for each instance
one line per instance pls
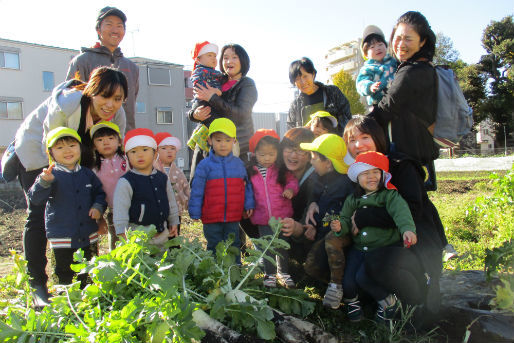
(379, 68)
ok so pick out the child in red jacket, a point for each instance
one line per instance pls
(221, 191)
(273, 188)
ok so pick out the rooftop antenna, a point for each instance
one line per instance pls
(133, 41)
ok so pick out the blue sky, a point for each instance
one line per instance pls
(273, 32)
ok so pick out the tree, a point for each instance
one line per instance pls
(498, 41)
(445, 54)
(346, 84)
(472, 81)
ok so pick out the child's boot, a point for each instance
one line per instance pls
(40, 296)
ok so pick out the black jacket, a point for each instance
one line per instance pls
(236, 104)
(334, 101)
(330, 192)
(410, 106)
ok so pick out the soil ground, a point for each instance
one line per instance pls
(12, 218)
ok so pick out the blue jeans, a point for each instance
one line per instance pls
(217, 232)
(355, 277)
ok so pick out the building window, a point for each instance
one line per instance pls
(188, 83)
(48, 81)
(10, 109)
(164, 115)
(140, 107)
(159, 76)
(490, 146)
(9, 59)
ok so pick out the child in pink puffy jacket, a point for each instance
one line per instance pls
(273, 188)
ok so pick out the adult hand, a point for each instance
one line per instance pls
(313, 208)
(202, 112)
(310, 232)
(173, 231)
(290, 227)
(354, 226)
(374, 87)
(205, 93)
(47, 175)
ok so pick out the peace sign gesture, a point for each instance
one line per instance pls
(47, 175)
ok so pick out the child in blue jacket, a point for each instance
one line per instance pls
(74, 201)
(379, 67)
(221, 191)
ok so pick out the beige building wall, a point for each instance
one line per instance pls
(347, 57)
(26, 83)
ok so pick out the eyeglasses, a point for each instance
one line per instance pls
(298, 152)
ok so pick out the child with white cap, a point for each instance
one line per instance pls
(204, 74)
(379, 67)
(143, 195)
(374, 189)
(74, 201)
(110, 164)
(167, 148)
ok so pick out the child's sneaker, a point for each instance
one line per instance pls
(386, 309)
(286, 280)
(353, 309)
(333, 296)
(270, 281)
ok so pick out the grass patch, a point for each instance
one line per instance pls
(469, 228)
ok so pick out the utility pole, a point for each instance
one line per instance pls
(133, 41)
(505, 139)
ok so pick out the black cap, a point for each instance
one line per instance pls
(107, 11)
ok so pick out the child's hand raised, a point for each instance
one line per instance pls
(94, 213)
(288, 194)
(335, 225)
(409, 239)
(47, 175)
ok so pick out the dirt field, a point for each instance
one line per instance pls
(12, 218)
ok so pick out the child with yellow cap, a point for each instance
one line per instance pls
(330, 161)
(221, 191)
(322, 122)
(74, 201)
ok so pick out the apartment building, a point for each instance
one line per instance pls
(29, 72)
(346, 56)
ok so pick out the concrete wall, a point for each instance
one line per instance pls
(27, 82)
(171, 96)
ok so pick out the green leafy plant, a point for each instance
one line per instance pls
(499, 261)
(144, 293)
